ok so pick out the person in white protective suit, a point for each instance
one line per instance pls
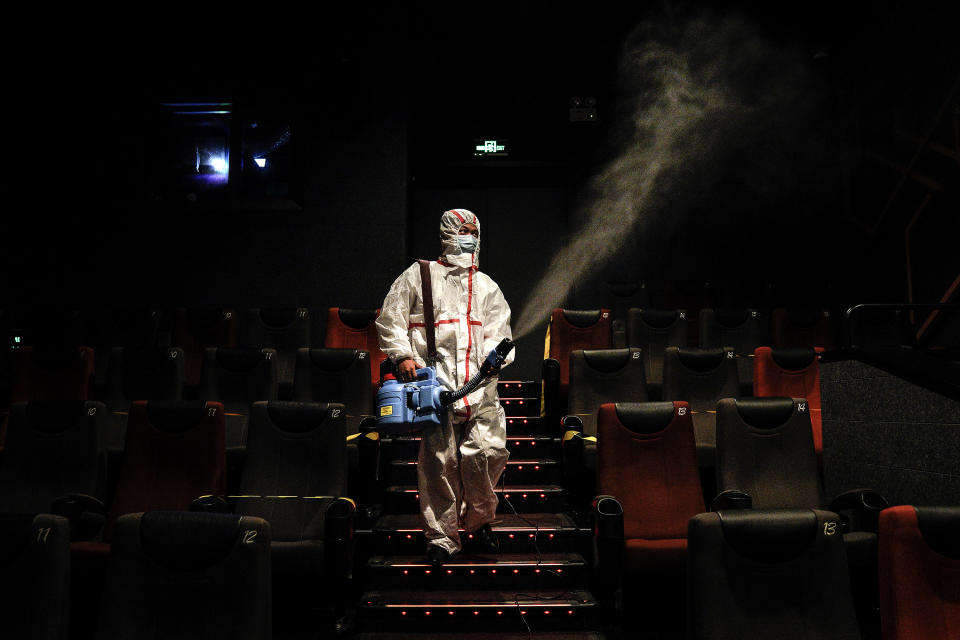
(461, 460)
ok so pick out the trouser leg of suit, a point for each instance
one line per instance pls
(459, 488)
(483, 457)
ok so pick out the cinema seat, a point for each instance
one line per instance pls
(653, 330)
(919, 572)
(335, 375)
(737, 328)
(355, 329)
(298, 450)
(55, 449)
(596, 376)
(34, 576)
(52, 372)
(174, 453)
(188, 576)
(769, 574)
(791, 373)
(570, 331)
(647, 474)
(139, 373)
(802, 328)
(237, 378)
(195, 330)
(701, 377)
(282, 329)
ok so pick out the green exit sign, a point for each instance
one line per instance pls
(486, 148)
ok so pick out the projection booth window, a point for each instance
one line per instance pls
(213, 151)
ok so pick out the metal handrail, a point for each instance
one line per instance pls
(848, 315)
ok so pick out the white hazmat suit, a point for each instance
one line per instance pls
(461, 460)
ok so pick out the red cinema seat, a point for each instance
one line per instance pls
(567, 332)
(919, 561)
(801, 328)
(356, 329)
(791, 373)
(52, 373)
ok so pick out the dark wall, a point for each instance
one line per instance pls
(887, 434)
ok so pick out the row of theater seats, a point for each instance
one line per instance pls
(194, 330)
(237, 378)
(772, 574)
(773, 558)
(653, 330)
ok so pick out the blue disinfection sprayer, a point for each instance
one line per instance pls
(407, 407)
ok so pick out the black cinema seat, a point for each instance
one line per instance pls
(801, 328)
(282, 329)
(597, 376)
(297, 451)
(184, 576)
(34, 576)
(919, 572)
(769, 574)
(653, 330)
(737, 328)
(55, 449)
(336, 375)
(356, 329)
(237, 378)
(195, 330)
(765, 450)
(129, 327)
(139, 373)
(174, 454)
(701, 377)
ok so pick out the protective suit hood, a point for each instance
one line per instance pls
(450, 223)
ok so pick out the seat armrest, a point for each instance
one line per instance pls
(859, 509)
(338, 539)
(87, 515)
(608, 546)
(550, 373)
(731, 499)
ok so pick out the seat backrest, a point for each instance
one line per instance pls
(52, 372)
(335, 375)
(174, 453)
(737, 328)
(571, 330)
(653, 330)
(53, 448)
(239, 377)
(294, 449)
(792, 373)
(145, 373)
(701, 377)
(194, 330)
(769, 574)
(646, 458)
(919, 561)
(35, 565)
(765, 448)
(604, 375)
(356, 329)
(801, 328)
(188, 575)
(283, 329)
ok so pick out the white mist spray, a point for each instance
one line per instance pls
(698, 86)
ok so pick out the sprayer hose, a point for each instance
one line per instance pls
(471, 384)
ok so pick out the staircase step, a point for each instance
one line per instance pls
(521, 407)
(531, 471)
(527, 425)
(478, 571)
(542, 609)
(518, 388)
(525, 446)
(484, 635)
(546, 532)
(533, 498)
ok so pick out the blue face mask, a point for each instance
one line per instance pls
(468, 243)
